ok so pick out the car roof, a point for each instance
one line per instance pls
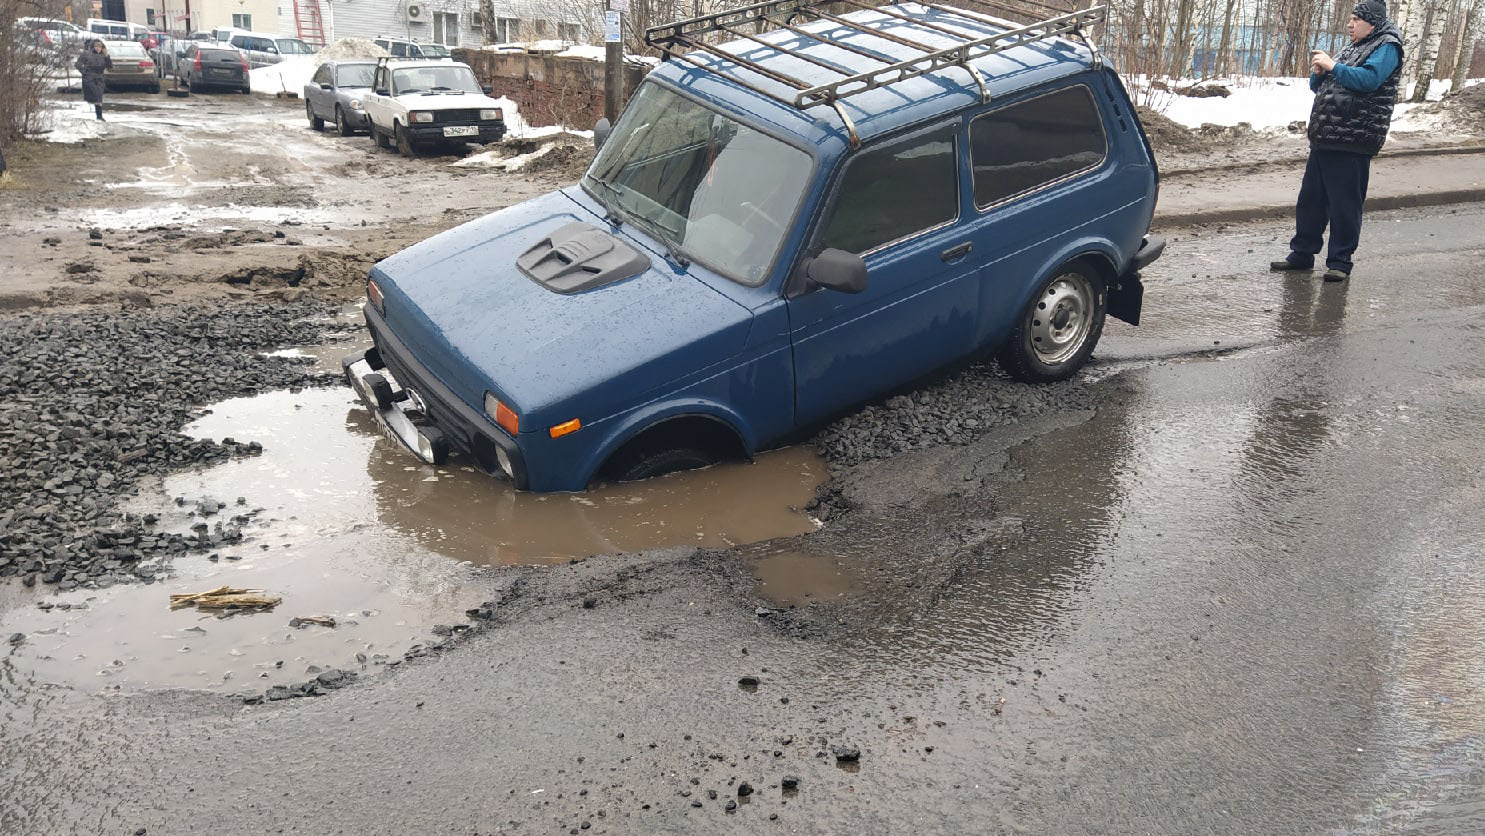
(886, 108)
(404, 65)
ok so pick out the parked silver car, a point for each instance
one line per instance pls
(260, 50)
(334, 94)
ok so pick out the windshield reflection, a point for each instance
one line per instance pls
(716, 189)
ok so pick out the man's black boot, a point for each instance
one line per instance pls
(1334, 275)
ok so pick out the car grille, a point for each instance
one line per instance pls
(453, 117)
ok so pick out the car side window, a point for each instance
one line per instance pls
(1029, 144)
(322, 76)
(892, 192)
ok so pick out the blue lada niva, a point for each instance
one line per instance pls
(777, 230)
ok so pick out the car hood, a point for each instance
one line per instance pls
(461, 305)
(446, 101)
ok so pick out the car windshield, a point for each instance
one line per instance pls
(446, 79)
(293, 46)
(715, 189)
(434, 50)
(355, 75)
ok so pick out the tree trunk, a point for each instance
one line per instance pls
(1417, 11)
(1467, 37)
(1428, 56)
(1181, 39)
(1223, 63)
(487, 15)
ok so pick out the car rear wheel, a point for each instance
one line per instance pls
(404, 142)
(1058, 330)
(342, 127)
(315, 122)
(246, 89)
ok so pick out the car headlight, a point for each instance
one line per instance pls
(355, 104)
(490, 113)
(420, 116)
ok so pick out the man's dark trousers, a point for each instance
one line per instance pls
(1332, 193)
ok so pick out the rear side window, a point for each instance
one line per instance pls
(893, 192)
(1029, 144)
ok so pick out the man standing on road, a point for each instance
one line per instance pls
(1354, 94)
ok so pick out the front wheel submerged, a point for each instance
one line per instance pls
(1057, 332)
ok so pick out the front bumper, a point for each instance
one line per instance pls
(418, 410)
(428, 134)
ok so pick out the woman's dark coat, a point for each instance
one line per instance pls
(92, 66)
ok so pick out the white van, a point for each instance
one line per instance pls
(117, 30)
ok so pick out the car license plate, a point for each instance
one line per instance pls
(461, 130)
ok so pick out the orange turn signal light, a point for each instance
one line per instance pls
(565, 427)
(507, 418)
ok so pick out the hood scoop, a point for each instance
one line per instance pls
(577, 257)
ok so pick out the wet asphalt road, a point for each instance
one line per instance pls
(1241, 596)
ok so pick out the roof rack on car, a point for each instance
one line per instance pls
(680, 39)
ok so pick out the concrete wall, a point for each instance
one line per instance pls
(549, 90)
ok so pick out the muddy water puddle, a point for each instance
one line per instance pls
(341, 522)
(791, 578)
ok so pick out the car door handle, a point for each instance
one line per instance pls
(957, 252)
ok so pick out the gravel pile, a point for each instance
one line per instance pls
(92, 402)
(956, 410)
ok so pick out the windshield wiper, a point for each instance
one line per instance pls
(611, 212)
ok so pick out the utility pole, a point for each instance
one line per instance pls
(613, 58)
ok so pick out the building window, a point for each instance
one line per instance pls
(242, 22)
(507, 29)
(149, 17)
(446, 28)
(570, 32)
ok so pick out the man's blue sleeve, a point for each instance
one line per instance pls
(1370, 75)
(1315, 79)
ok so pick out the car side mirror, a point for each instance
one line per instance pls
(489, 91)
(837, 270)
(601, 130)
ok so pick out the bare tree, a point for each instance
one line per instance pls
(1468, 34)
(28, 66)
(1428, 54)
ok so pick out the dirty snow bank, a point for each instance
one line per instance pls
(287, 76)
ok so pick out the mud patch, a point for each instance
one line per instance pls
(791, 578)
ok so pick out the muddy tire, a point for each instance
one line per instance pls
(1058, 330)
(379, 138)
(246, 90)
(315, 122)
(404, 143)
(651, 462)
(342, 127)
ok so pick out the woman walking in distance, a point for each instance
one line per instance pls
(92, 63)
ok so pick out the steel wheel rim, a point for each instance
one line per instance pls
(1061, 319)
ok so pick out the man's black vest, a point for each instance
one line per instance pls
(1347, 120)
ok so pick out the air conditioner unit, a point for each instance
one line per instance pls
(415, 12)
(476, 20)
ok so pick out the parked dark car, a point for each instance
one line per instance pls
(132, 67)
(205, 66)
(775, 232)
(334, 94)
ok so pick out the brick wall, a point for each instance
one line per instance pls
(548, 90)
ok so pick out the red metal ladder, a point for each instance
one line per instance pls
(309, 23)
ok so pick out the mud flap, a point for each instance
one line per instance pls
(1126, 298)
(1127, 295)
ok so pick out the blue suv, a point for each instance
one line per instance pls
(776, 231)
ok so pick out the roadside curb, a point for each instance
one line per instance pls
(1440, 151)
(1274, 212)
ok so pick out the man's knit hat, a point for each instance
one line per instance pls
(1371, 11)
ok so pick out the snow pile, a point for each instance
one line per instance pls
(71, 122)
(346, 48)
(588, 51)
(287, 76)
